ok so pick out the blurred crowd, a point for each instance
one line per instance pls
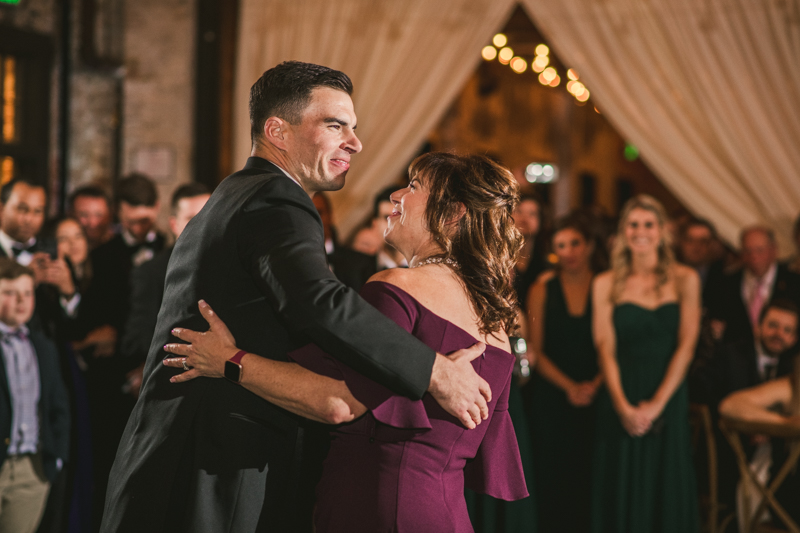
(80, 295)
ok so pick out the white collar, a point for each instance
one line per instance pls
(287, 174)
(766, 280)
(130, 240)
(7, 243)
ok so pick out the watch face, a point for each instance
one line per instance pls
(233, 371)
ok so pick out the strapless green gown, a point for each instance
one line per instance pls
(644, 484)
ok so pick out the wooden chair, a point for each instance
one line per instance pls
(700, 419)
(732, 429)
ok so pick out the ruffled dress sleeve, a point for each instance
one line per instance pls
(497, 468)
(386, 407)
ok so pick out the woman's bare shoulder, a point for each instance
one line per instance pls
(686, 278)
(604, 280)
(404, 278)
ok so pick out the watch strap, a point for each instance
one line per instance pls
(238, 357)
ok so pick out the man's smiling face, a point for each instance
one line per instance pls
(320, 147)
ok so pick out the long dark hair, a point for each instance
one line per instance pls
(582, 223)
(469, 208)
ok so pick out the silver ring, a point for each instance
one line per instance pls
(185, 367)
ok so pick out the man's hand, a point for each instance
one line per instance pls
(458, 388)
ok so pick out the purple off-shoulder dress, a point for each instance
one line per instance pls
(403, 466)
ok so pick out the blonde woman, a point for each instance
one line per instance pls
(645, 324)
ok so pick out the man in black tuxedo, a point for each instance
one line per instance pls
(22, 205)
(207, 455)
(350, 267)
(147, 285)
(743, 364)
(736, 304)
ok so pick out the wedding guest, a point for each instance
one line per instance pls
(734, 311)
(741, 365)
(646, 317)
(34, 409)
(567, 378)
(22, 205)
(91, 207)
(67, 279)
(696, 249)
(533, 258)
(137, 209)
(147, 286)
(774, 402)
(351, 267)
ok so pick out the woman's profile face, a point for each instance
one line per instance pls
(572, 250)
(71, 242)
(643, 232)
(407, 227)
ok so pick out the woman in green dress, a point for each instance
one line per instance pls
(646, 318)
(561, 405)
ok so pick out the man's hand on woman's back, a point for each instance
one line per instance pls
(458, 388)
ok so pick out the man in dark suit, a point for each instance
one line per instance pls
(22, 205)
(147, 285)
(736, 304)
(743, 364)
(207, 455)
(351, 268)
(34, 408)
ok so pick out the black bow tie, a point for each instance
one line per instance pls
(19, 248)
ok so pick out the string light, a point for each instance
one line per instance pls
(542, 50)
(505, 55)
(500, 40)
(540, 63)
(519, 65)
(555, 81)
(489, 52)
(573, 74)
(549, 74)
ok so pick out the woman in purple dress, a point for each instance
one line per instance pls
(403, 465)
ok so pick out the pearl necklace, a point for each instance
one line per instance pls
(437, 261)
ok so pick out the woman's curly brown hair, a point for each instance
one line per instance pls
(468, 213)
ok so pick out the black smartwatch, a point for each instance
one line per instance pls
(233, 367)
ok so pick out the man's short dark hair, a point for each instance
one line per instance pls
(10, 269)
(284, 91)
(137, 189)
(189, 190)
(89, 191)
(784, 304)
(8, 188)
(695, 221)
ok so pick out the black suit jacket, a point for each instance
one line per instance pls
(726, 302)
(207, 455)
(352, 268)
(147, 292)
(54, 414)
(735, 367)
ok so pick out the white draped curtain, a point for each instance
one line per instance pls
(708, 90)
(407, 59)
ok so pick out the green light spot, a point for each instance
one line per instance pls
(631, 153)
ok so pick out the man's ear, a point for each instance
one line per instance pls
(275, 132)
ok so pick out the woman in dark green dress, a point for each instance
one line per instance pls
(646, 319)
(566, 381)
